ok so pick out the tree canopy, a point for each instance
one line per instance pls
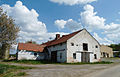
(8, 32)
(116, 47)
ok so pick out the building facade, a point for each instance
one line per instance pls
(79, 46)
(29, 51)
(106, 51)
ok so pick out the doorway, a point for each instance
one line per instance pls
(54, 56)
(85, 57)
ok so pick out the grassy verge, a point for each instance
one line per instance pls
(49, 62)
(12, 71)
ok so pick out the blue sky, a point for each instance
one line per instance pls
(100, 17)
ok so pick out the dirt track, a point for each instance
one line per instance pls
(53, 70)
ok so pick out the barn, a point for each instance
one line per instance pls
(79, 46)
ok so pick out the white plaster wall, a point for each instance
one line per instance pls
(78, 57)
(60, 48)
(79, 39)
(28, 55)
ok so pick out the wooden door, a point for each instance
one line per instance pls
(85, 57)
(54, 56)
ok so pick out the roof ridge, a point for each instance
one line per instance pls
(61, 39)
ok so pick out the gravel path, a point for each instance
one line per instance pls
(54, 70)
(111, 72)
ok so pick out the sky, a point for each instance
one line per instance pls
(40, 20)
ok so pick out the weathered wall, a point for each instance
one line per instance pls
(78, 40)
(107, 50)
(29, 55)
(61, 49)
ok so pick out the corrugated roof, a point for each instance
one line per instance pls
(61, 39)
(31, 47)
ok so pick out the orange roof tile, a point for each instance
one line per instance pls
(31, 47)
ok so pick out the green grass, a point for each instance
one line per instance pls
(11, 70)
(49, 62)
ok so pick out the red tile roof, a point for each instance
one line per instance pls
(31, 47)
(61, 39)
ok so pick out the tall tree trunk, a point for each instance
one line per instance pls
(5, 51)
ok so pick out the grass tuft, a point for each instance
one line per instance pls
(10, 70)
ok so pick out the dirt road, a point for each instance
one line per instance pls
(54, 70)
(111, 72)
(87, 70)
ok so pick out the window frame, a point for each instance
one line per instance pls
(95, 56)
(74, 55)
(60, 55)
(72, 44)
(85, 45)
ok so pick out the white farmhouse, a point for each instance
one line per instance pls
(29, 51)
(79, 46)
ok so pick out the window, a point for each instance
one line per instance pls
(60, 55)
(95, 56)
(85, 46)
(74, 55)
(35, 54)
(72, 44)
(96, 46)
(60, 44)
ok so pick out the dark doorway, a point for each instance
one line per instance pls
(85, 47)
(85, 57)
(54, 56)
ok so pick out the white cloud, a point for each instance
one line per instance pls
(90, 20)
(31, 27)
(60, 23)
(70, 24)
(72, 2)
(93, 22)
(104, 40)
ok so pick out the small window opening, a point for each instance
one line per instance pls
(60, 55)
(95, 56)
(96, 46)
(85, 46)
(35, 54)
(72, 44)
(74, 55)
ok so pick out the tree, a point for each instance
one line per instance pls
(8, 34)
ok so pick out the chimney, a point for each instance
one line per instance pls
(57, 36)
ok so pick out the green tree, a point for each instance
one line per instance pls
(8, 34)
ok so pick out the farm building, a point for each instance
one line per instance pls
(79, 46)
(106, 51)
(29, 51)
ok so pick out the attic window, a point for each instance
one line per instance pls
(72, 44)
(85, 46)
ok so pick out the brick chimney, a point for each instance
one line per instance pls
(57, 36)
